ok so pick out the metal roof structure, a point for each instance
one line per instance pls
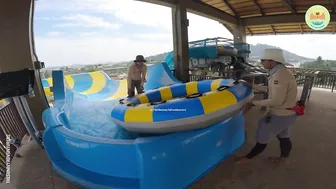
(260, 17)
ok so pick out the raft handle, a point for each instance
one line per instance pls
(121, 101)
(131, 104)
(222, 88)
(195, 95)
(157, 103)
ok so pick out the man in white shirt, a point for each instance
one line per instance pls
(282, 94)
(136, 76)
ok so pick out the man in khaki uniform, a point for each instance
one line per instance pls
(136, 76)
(282, 94)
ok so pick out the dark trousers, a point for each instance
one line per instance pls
(135, 84)
(271, 126)
(285, 148)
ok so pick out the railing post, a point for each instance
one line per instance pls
(307, 87)
(25, 120)
(333, 85)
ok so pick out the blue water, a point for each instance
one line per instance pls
(93, 118)
(91, 115)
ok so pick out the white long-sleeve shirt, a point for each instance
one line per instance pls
(282, 92)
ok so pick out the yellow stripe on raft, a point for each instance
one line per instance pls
(191, 87)
(70, 81)
(215, 84)
(216, 100)
(98, 83)
(166, 93)
(140, 113)
(121, 91)
(142, 98)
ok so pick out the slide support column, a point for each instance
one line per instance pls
(180, 40)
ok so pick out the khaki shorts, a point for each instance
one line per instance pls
(135, 84)
(271, 126)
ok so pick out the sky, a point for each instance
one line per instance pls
(96, 31)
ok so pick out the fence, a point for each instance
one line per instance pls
(307, 80)
(10, 125)
(325, 81)
(321, 80)
(256, 78)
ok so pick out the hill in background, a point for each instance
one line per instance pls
(256, 54)
(158, 57)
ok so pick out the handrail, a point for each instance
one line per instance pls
(10, 125)
(326, 80)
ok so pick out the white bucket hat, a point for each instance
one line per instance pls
(274, 54)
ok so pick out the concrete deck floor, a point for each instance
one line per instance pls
(311, 166)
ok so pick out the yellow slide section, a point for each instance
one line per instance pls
(98, 83)
(121, 91)
(94, 83)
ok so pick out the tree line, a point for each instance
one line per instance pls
(319, 63)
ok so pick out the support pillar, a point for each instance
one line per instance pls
(16, 47)
(239, 34)
(180, 40)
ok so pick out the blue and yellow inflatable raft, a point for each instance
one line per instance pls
(183, 106)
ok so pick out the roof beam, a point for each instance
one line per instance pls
(248, 29)
(228, 28)
(199, 8)
(167, 3)
(230, 7)
(332, 2)
(291, 33)
(203, 9)
(289, 5)
(273, 30)
(280, 19)
(260, 10)
(333, 30)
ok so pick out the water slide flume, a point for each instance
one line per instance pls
(181, 107)
(86, 148)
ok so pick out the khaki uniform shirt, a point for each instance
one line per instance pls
(136, 74)
(282, 92)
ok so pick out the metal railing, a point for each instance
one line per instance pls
(321, 80)
(305, 80)
(10, 125)
(325, 81)
(309, 70)
(255, 77)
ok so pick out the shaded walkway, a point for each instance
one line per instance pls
(311, 165)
